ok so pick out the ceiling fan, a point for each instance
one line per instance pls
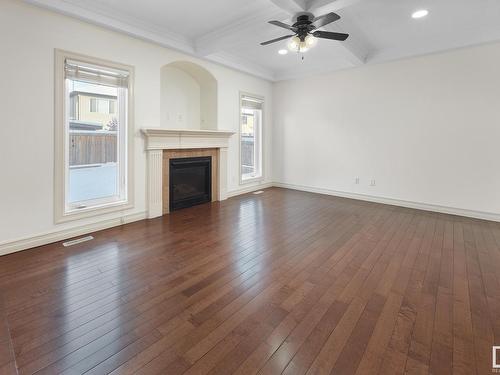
(305, 31)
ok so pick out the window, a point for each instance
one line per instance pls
(103, 106)
(92, 149)
(251, 138)
(93, 105)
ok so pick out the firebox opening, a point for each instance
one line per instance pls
(190, 182)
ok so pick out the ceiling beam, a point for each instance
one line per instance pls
(242, 65)
(355, 49)
(291, 6)
(243, 31)
(319, 7)
(237, 33)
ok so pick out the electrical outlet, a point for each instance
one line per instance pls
(373, 183)
(356, 181)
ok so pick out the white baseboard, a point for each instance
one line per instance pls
(13, 246)
(249, 189)
(59, 235)
(395, 202)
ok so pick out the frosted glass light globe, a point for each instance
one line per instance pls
(294, 43)
(311, 41)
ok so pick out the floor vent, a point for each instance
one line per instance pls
(77, 241)
(258, 192)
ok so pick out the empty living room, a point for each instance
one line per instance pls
(250, 187)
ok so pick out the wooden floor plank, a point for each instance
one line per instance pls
(7, 357)
(481, 322)
(421, 343)
(463, 337)
(441, 360)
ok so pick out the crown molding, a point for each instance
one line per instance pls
(117, 23)
(148, 33)
(433, 47)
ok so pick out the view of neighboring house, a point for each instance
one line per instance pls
(247, 123)
(92, 111)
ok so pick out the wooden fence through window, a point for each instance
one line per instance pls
(92, 147)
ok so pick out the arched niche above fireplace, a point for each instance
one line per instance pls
(188, 97)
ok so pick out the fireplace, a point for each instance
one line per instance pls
(190, 181)
(165, 144)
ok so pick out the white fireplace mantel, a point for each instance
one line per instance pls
(158, 139)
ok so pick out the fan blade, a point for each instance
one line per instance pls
(283, 25)
(276, 40)
(325, 19)
(330, 35)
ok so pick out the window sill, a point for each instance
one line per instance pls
(83, 213)
(252, 180)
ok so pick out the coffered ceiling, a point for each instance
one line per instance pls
(229, 31)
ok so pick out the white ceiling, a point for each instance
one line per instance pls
(229, 31)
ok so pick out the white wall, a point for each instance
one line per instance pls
(180, 100)
(188, 97)
(28, 36)
(426, 129)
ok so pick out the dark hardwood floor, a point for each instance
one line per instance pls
(282, 282)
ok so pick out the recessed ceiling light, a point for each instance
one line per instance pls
(283, 51)
(420, 13)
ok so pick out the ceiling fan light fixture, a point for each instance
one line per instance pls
(420, 14)
(297, 45)
(305, 31)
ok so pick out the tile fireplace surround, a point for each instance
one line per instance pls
(158, 140)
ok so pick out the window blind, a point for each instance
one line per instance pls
(251, 102)
(84, 72)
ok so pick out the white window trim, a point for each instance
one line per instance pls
(60, 155)
(260, 178)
